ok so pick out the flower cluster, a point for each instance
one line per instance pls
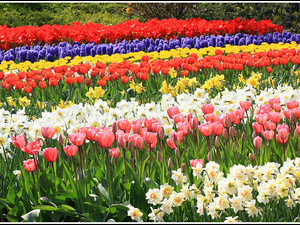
(245, 188)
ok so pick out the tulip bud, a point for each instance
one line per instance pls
(161, 133)
(194, 124)
(296, 134)
(231, 131)
(217, 141)
(170, 163)
(253, 135)
(122, 141)
(293, 117)
(175, 140)
(60, 140)
(188, 117)
(251, 157)
(225, 134)
(133, 153)
(227, 121)
(243, 138)
(130, 145)
(177, 153)
(209, 157)
(234, 146)
(183, 167)
(159, 156)
(114, 127)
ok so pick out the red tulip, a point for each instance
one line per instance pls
(32, 147)
(207, 108)
(177, 136)
(296, 112)
(217, 128)
(184, 127)
(298, 129)
(179, 118)
(47, 132)
(50, 154)
(19, 141)
(257, 142)
(268, 134)
(105, 138)
(173, 111)
(194, 162)
(292, 104)
(270, 125)
(150, 139)
(77, 138)
(257, 127)
(282, 136)
(124, 125)
(261, 118)
(170, 143)
(70, 150)
(275, 117)
(269, 69)
(115, 152)
(205, 129)
(29, 165)
(137, 128)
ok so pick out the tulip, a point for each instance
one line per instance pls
(261, 118)
(32, 147)
(105, 138)
(207, 108)
(172, 111)
(268, 134)
(77, 138)
(270, 125)
(114, 152)
(70, 150)
(50, 154)
(282, 136)
(184, 127)
(245, 105)
(194, 162)
(257, 127)
(47, 132)
(178, 118)
(150, 139)
(275, 117)
(170, 143)
(205, 129)
(124, 125)
(19, 141)
(292, 104)
(257, 142)
(29, 165)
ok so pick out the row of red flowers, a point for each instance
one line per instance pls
(130, 30)
(127, 71)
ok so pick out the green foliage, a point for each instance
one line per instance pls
(38, 14)
(279, 13)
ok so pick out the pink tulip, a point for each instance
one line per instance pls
(47, 132)
(50, 154)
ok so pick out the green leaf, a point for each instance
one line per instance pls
(104, 192)
(150, 183)
(93, 217)
(32, 216)
(11, 195)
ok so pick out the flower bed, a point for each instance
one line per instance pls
(193, 133)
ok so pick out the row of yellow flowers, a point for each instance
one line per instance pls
(6, 66)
